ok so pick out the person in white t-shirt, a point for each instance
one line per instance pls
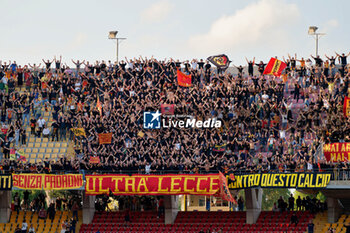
(31, 229)
(24, 226)
(148, 168)
(41, 123)
(46, 131)
(265, 96)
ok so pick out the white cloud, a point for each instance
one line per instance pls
(78, 40)
(330, 24)
(265, 20)
(157, 11)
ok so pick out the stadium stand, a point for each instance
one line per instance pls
(287, 115)
(270, 124)
(191, 222)
(324, 226)
(40, 225)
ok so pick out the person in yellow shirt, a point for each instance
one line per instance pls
(302, 66)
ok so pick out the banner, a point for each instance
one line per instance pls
(105, 138)
(280, 180)
(47, 182)
(94, 159)
(275, 67)
(219, 148)
(337, 152)
(183, 80)
(5, 182)
(167, 109)
(346, 107)
(78, 132)
(174, 184)
(220, 61)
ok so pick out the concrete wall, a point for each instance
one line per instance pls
(253, 198)
(171, 206)
(5, 206)
(334, 209)
(88, 208)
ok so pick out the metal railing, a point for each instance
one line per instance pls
(336, 173)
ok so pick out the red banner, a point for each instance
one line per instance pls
(275, 67)
(337, 152)
(47, 182)
(346, 107)
(174, 184)
(167, 109)
(183, 79)
(105, 138)
(94, 159)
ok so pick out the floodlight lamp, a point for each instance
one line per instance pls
(312, 30)
(112, 34)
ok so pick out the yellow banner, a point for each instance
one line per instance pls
(5, 182)
(47, 182)
(78, 132)
(279, 180)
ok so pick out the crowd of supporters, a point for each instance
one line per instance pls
(268, 123)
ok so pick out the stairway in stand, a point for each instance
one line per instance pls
(38, 148)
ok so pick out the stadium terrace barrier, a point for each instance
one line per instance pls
(241, 180)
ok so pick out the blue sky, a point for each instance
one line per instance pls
(32, 30)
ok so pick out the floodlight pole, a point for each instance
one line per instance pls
(316, 44)
(312, 32)
(118, 39)
(317, 36)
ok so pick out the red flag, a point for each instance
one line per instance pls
(99, 106)
(346, 107)
(183, 79)
(85, 83)
(167, 109)
(224, 190)
(275, 67)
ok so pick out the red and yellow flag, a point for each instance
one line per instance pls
(99, 106)
(346, 107)
(183, 80)
(275, 67)
(224, 190)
